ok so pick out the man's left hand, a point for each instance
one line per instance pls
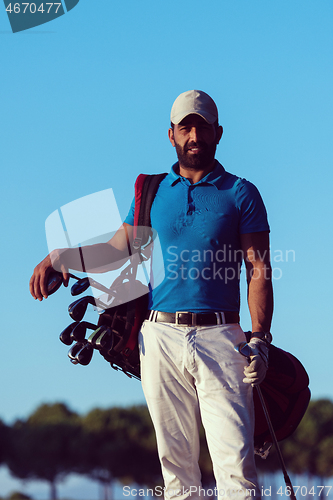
(256, 371)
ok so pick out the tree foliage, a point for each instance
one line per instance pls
(119, 444)
(4, 441)
(45, 445)
(310, 449)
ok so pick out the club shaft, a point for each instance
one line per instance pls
(73, 276)
(271, 430)
(99, 286)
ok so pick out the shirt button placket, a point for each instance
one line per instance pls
(190, 201)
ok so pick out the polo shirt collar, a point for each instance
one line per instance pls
(215, 177)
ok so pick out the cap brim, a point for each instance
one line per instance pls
(207, 117)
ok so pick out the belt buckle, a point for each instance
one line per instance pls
(220, 318)
(152, 315)
(193, 318)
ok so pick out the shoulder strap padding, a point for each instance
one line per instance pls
(149, 190)
(146, 187)
(140, 181)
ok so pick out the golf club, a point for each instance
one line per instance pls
(84, 356)
(84, 283)
(102, 338)
(94, 335)
(78, 308)
(74, 351)
(55, 280)
(245, 350)
(106, 340)
(65, 335)
(78, 333)
(81, 353)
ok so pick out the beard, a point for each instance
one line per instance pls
(198, 161)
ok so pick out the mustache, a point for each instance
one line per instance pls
(193, 144)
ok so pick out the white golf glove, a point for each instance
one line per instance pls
(256, 371)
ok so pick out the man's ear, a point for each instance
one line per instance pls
(219, 133)
(171, 136)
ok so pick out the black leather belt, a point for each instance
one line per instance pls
(184, 318)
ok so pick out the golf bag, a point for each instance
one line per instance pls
(126, 319)
(286, 393)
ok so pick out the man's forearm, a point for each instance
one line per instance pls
(98, 258)
(260, 299)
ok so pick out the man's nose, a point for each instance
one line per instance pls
(194, 134)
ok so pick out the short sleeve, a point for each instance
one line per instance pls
(130, 216)
(253, 215)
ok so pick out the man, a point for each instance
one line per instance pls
(208, 221)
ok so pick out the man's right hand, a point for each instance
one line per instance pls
(38, 281)
(101, 257)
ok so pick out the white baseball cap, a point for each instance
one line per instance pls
(194, 102)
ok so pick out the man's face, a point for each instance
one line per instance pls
(195, 141)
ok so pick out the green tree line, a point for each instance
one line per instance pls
(119, 444)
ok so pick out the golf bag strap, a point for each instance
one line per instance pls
(138, 196)
(146, 187)
(145, 191)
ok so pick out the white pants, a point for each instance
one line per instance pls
(193, 372)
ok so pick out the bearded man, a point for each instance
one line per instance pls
(208, 221)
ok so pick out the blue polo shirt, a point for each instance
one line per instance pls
(199, 227)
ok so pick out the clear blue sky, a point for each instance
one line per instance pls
(85, 106)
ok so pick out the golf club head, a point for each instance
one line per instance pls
(79, 331)
(96, 334)
(74, 351)
(85, 354)
(54, 282)
(105, 341)
(78, 308)
(66, 335)
(244, 349)
(80, 286)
